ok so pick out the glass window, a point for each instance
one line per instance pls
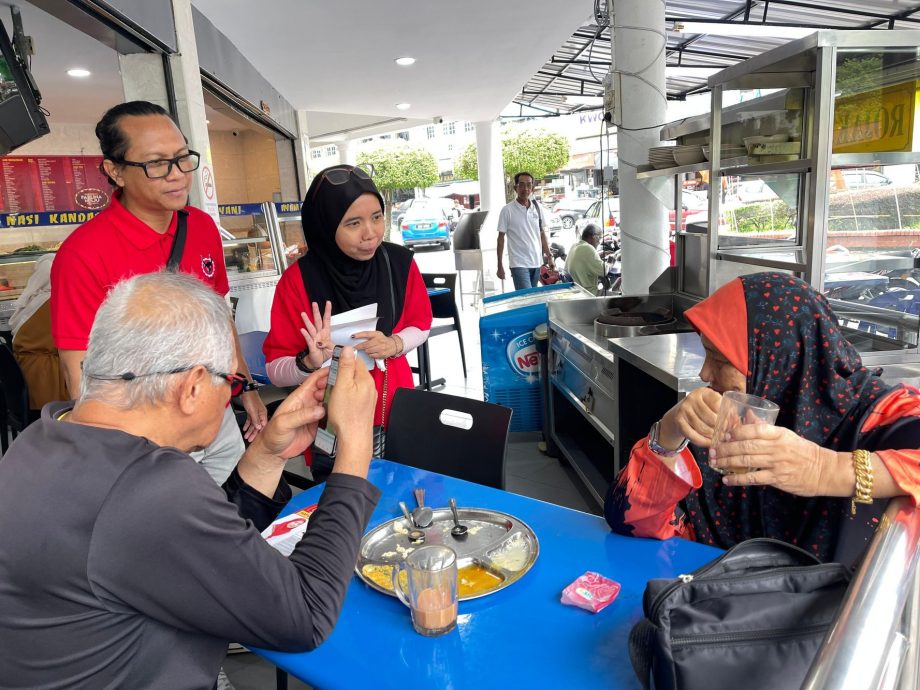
(295, 246)
(758, 210)
(403, 135)
(429, 130)
(331, 150)
(316, 153)
(251, 251)
(450, 128)
(468, 127)
(873, 242)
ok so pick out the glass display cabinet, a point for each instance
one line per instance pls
(813, 171)
(260, 242)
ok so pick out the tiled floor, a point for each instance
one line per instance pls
(528, 471)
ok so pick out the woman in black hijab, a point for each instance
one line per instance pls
(347, 266)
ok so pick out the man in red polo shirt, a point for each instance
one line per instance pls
(148, 160)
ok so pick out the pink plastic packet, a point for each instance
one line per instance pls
(591, 591)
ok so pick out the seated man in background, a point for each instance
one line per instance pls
(583, 263)
(122, 564)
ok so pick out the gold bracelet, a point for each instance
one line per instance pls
(862, 465)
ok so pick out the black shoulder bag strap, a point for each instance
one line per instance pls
(178, 244)
(386, 258)
(539, 214)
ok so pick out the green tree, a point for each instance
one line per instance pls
(400, 167)
(540, 153)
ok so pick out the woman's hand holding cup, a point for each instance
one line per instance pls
(735, 411)
(693, 418)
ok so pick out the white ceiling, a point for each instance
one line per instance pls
(59, 47)
(473, 56)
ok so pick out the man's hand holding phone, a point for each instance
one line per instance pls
(350, 414)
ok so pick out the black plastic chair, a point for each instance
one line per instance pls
(444, 306)
(459, 437)
(15, 409)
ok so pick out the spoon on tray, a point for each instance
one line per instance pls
(415, 535)
(458, 531)
(422, 515)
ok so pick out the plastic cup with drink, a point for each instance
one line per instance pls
(737, 409)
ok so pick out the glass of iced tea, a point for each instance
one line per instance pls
(431, 589)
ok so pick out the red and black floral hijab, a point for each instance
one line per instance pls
(793, 353)
(784, 336)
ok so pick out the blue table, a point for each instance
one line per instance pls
(519, 637)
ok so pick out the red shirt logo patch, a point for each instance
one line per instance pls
(207, 266)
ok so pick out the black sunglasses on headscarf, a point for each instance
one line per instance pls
(343, 174)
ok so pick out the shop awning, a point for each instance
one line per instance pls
(580, 161)
(463, 187)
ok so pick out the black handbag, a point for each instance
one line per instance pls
(752, 619)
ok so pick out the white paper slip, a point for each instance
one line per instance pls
(284, 533)
(346, 324)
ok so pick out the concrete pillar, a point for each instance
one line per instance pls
(348, 152)
(491, 195)
(186, 73)
(302, 153)
(638, 56)
(142, 78)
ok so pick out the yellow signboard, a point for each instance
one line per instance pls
(876, 121)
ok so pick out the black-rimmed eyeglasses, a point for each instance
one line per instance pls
(236, 381)
(161, 167)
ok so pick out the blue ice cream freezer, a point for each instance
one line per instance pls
(510, 361)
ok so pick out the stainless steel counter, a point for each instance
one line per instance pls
(675, 359)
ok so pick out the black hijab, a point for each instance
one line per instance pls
(798, 358)
(331, 275)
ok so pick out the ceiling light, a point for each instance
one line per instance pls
(78, 72)
(743, 30)
(578, 99)
(403, 106)
(405, 61)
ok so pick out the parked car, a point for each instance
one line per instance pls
(695, 208)
(551, 221)
(864, 179)
(755, 190)
(605, 213)
(426, 223)
(570, 210)
(447, 205)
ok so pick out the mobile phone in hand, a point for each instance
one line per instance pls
(325, 433)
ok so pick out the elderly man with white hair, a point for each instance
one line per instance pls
(122, 564)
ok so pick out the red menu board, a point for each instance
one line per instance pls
(33, 184)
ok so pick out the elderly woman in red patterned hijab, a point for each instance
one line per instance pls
(771, 335)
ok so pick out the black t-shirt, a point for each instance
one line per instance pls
(123, 565)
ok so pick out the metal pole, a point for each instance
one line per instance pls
(910, 674)
(857, 648)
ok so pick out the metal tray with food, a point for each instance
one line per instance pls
(496, 550)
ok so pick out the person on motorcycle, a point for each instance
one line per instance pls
(584, 264)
